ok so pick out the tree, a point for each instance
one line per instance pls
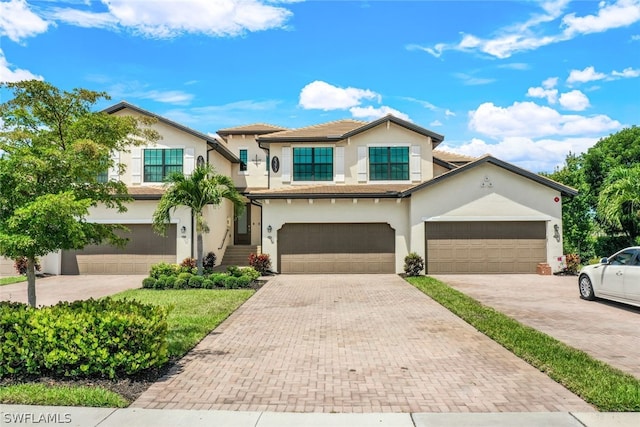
(619, 201)
(621, 149)
(203, 187)
(53, 147)
(577, 213)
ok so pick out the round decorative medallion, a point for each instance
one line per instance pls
(275, 164)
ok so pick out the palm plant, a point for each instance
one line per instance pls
(203, 187)
(619, 201)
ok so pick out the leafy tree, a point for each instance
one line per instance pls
(619, 201)
(621, 149)
(52, 149)
(577, 212)
(203, 187)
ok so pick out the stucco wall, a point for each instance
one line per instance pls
(278, 212)
(256, 176)
(479, 182)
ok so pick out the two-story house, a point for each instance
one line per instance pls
(346, 196)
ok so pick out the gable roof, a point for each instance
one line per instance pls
(210, 140)
(454, 158)
(251, 129)
(565, 190)
(342, 129)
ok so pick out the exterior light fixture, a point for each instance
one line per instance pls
(183, 230)
(269, 229)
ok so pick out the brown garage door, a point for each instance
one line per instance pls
(485, 247)
(144, 249)
(336, 248)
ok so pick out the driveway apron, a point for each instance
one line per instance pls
(352, 343)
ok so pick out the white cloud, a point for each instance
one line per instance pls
(627, 73)
(137, 90)
(9, 74)
(534, 32)
(170, 96)
(449, 113)
(372, 113)
(618, 14)
(574, 101)
(550, 83)
(168, 19)
(18, 22)
(589, 74)
(539, 92)
(536, 155)
(324, 96)
(435, 123)
(473, 81)
(530, 120)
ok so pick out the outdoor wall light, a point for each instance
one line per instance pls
(556, 232)
(183, 230)
(269, 229)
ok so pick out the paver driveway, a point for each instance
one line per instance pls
(355, 343)
(551, 304)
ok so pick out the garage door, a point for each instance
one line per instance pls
(485, 247)
(336, 248)
(144, 249)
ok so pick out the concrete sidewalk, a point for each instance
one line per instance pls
(22, 415)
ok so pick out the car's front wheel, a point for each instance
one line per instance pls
(586, 288)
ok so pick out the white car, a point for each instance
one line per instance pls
(616, 278)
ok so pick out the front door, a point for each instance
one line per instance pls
(242, 227)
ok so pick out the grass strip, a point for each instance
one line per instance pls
(599, 384)
(12, 279)
(54, 395)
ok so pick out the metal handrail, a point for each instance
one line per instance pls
(224, 239)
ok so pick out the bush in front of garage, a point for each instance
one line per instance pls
(92, 338)
(174, 276)
(413, 264)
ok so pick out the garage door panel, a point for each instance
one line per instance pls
(484, 247)
(144, 249)
(336, 248)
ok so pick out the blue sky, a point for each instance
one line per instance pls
(527, 81)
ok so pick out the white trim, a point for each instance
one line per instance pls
(286, 165)
(188, 160)
(485, 218)
(415, 163)
(114, 171)
(362, 163)
(136, 165)
(338, 164)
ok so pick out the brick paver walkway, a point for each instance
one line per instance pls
(355, 343)
(551, 304)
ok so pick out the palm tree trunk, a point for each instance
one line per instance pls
(31, 281)
(199, 253)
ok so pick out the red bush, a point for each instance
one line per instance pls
(262, 262)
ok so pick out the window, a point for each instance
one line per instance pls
(103, 176)
(159, 163)
(389, 163)
(243, 160)
(312, 164)
(623, 258)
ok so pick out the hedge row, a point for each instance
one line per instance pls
(104, 338)
(169, 276)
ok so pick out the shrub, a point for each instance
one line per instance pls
(100, 338)
(233, 270)
(209, 261)
(218, 279)
(413, 264)
(243, 281)
(149, 282)
(230, 282)
(170, 282)
(188, 263)
(207, 284)
(161, 282)
(250, 272)
(573, 263)
(162, 269)
(20, 264)
(261, 263)
(196, 282)
(180, 283)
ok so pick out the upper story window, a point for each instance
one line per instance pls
(313, 164)
(103, 176)
(389, 163)
(243, 159)
(159, 163)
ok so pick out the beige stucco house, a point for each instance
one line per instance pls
(345, 197)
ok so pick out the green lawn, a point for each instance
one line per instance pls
(195, 313)
(603, 386)
(12, 279)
